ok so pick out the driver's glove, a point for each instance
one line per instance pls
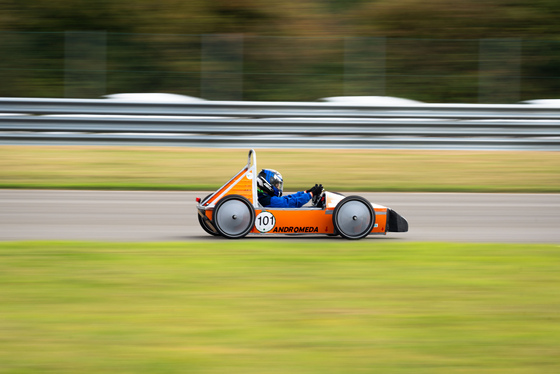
(317, 190)
(312, 189)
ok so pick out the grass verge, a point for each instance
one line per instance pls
(169, 168)
(239, 307)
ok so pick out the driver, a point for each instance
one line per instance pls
(270, 185)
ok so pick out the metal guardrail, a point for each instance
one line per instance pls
(279, 124)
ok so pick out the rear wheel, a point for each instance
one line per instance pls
(353, 217)
(204, 223)
(206, 227)
(234, 216)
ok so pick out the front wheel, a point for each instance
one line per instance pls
(234, 216)
(353, 217)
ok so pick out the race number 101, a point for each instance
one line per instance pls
(265, 222)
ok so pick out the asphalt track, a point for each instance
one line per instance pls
(171, 216)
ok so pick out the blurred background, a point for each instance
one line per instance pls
(264, 306)
(497, 51)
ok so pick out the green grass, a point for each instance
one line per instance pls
(260, 306)
(169, 168)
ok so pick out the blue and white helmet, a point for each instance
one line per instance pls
(270, 182)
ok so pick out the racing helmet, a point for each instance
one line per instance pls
(270, 182)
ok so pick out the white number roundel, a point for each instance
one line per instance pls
(265, 222)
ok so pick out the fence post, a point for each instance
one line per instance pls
(221, 67)
(499, 70)
(85, 55)
(364, 66)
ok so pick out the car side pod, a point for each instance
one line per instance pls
(396, 222)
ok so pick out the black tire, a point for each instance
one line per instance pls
(234, 216)
(204, 224)
(353, 217)
(205, 227)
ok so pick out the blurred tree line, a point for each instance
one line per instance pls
(429, 50)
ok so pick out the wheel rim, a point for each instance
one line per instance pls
(233, 217)
(354, 218)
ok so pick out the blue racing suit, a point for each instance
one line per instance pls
(296, 200)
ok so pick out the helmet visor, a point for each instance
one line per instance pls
(276, 181)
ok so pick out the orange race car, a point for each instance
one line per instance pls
(233, 211)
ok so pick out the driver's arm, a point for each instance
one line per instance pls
(296, 200)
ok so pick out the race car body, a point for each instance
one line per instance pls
(233, 211)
